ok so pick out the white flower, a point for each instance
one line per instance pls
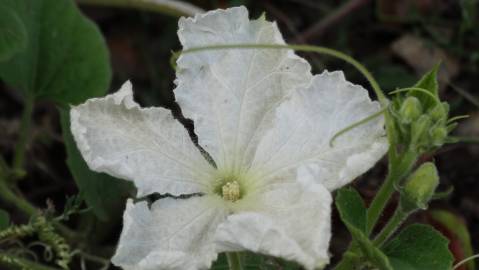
(264, 120)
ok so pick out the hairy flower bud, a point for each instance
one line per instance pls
(420, 187)
(439, 112)
(419, 128)
(438, 134)
(410, 110)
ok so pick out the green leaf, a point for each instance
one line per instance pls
(456, 226)
(101, 192)
(221, 263)
(351, 208)
(391, 76)
(252, 261)
(354, 215)
(66, 59)
(13, 35)
(4, 219)
(428, 82)
(419, 247)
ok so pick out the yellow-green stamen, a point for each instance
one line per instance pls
(231, 191)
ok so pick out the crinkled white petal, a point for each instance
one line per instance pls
(175, 234)
(144, 145)
(305, 124)
(290, 220)
(231, 94)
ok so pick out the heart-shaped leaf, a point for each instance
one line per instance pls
(65, 60)
(419, 247)
(13, 35)
(456, 229)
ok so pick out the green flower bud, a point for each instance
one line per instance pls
(419, 129)
(420, 187)
(410, 110)
(439, 112)
(438, 135)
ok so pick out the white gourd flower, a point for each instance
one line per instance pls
(264, 120)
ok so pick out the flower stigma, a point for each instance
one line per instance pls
(231, 191)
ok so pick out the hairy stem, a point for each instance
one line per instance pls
(349, 260)
(399, 168)
(380, 200)
(234, 260)
(393, 224)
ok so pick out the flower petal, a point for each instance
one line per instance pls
(173, 234)
(231, 94)
(291, 220)
(147, 146)
(305, 124)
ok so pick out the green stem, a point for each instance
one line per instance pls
(305, 48)
(473, 257)
(380, 200)
(234, 260)
(350, 259)
(393, 224)
(24, 135)
(9, 196)
(358, 123)
(26, 208)
(398, 169)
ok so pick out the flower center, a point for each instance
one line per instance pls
(231, 191)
